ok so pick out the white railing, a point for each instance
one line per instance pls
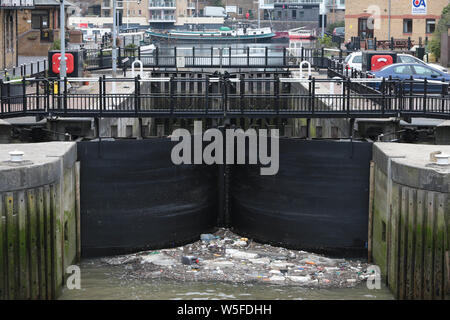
(17, 3)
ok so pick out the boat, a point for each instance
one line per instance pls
(225, 34)
(302, 33)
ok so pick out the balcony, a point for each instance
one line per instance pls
(165, 18)
(16, 4)
(159, 4)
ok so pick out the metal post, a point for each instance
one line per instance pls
(24, 86)
(313, 97)
(389, 19)
(444, 93)
(1, 96)
(114, 44)
(65, 94)
(100, 86)
(425, 91)
(63, 66)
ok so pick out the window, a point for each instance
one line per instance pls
(431, 25)
(407, 59)
(407, 25)
(39, 19)
(425, 72)
(357, 59)
(240, 11)
(405, 70)
(294, 14)
(9, 31)
(364, 31)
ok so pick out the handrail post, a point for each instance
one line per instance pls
(100, 87)
(207, 94)
(225, 95)
(8, 94)
(171, 90)
(444, 93)
(175, 56)
(267, 57)
(425, 91)
(2, 108)
(277, 93)
(65, 94)
(383, 91)
(24, 87)
(322, 57)
(136, 95)
(349, 84)
(100, 65)
(242, 92)
(212, 56)
(313, 102)
(390, 93)
(37, 95)
(248, 56)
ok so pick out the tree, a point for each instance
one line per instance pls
(216, 3)
(435, 43)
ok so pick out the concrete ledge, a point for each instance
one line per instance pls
(41, 165)
(411, 165)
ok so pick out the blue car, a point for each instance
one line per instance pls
(404, 71)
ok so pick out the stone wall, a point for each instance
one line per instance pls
(411, 220)
(39, 212)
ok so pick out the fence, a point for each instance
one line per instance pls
(25, 70)
(217, 97)
(178, 57)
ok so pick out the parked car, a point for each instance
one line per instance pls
(340, 32)
(354, 60)
(407, 58)
(404, 71)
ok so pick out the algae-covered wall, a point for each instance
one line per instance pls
(38, 219)
(411, 221)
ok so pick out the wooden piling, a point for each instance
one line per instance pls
(3, 289)
(371, 198)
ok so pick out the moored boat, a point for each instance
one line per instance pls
(223, 34)
(301, 33)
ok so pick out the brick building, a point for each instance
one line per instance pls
(9, 30)
(38, 27)
(407, 18)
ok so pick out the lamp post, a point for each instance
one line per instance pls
(62, 27)
(114, 42)
(389, 20)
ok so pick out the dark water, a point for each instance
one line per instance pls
(107, 282)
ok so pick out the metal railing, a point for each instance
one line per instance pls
(178, 57)
(217, 97)
(31, 69)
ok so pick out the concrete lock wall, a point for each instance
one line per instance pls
(411, 220)
(38, 219)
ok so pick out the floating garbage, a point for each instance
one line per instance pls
(207, 237)
(189, 260)
(228, 257)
